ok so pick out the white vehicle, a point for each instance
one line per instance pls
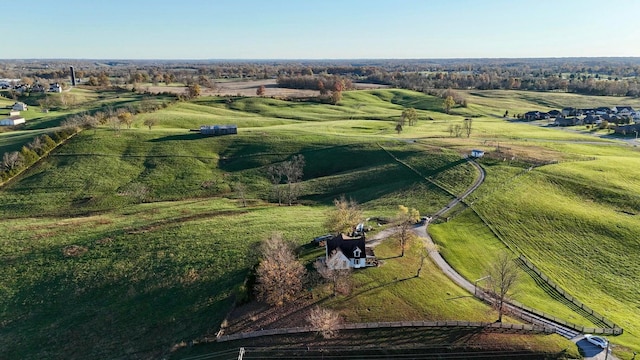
(597, 340)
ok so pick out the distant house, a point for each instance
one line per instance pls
(555, 113)
(37, 88)
(570, 111)
(629, 129)
(477, 153)
(567, 121)
(12, 121)
(19, 106)
(344, 252)
(14, 113)
(592, 119)
(55, 88)
(536, 115)
(218, 129)
(531, 115)
(602, 110)
(623, 110)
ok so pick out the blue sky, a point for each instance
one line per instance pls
(324, 29)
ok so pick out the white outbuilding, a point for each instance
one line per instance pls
(12, 121)
(477, 153)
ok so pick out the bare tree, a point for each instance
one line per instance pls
(340, 279)
(12, 160)
(275, 177)
(261, 90)
(345, 216)
(457, 129)
(293, 172)
(36, 145)
(503, 274)
(150, 122)
(280, 275)
(325, 321)
(398, 128)
(405, 218)
(115, 124)
(466, 126)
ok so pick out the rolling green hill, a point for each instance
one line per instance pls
(122, 244)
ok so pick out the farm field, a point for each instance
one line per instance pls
(126, 243)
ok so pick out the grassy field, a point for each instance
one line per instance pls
(123, 244)
(574, 220)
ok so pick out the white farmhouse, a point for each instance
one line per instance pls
(55, 88)
(19, 106)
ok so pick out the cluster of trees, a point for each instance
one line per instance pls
(457, 130)
(310, 82)
(14, 162)
(330, 87)
(285, 178)
(592, 84)
(280, 278)
(408, 115)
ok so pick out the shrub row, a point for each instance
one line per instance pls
(13, 163)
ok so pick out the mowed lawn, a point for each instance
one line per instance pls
(121, 244)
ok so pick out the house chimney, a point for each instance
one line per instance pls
(73, 76)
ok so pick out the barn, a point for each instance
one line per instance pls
(12, 121)
(217, 130)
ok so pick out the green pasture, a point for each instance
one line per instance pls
(139, 233)
(574, 220)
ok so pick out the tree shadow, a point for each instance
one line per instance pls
(180, 137)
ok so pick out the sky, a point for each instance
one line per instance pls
(318, 29)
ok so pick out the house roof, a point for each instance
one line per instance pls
(622, 108)
(348, 245)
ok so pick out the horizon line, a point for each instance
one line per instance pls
(319, 59)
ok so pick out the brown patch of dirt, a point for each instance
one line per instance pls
(74, 250)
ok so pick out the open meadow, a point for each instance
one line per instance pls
(122, 244)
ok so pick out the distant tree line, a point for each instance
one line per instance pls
(310, 82)
(594, 76)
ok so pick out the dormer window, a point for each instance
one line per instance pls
(357, 252)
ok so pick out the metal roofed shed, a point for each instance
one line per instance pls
(217, 130)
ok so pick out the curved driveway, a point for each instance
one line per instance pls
(587, 349)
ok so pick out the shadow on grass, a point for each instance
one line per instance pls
(112, 315)
(188, 135)
(409, 343)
